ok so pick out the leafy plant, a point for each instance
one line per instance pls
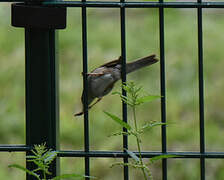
(42, 158)
(134, 99)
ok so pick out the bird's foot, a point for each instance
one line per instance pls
(79, 114)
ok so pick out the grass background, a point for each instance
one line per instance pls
(142, 36)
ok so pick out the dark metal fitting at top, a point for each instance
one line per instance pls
(38, 16)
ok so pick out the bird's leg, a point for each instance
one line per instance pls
(98, 100)
(81, 113)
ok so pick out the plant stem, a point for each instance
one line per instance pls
(44, 175)
(138, 142)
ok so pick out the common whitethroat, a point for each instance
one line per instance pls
(102, 79)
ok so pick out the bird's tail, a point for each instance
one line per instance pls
(140, 63)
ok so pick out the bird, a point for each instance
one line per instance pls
(102, 79)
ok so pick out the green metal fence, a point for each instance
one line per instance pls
(40, 19)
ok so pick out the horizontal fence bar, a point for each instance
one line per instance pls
(120, 154)
(115, 154)
(112, 4)
(11, 1)
(11, 148)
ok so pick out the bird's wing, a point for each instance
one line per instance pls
(112, 63)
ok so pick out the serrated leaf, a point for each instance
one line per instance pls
(156, 158)
(114, 93)
(31, 157)
(151, 125)
(118, 120)
(127, 87)
(132, 155)
(63, 176)
(24, 169)
(147, 99)
(124, 98)
(51, 155)
(120, 133)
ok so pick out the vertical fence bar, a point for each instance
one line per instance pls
(201, 91)
(42, 114)
(123, 77)
(85, 87)
(163, 88)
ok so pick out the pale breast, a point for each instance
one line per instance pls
(100, 84)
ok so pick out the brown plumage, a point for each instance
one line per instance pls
(102, 79)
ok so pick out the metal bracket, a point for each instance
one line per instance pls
(37, 16)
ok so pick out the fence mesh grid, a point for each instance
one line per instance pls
(123, 5)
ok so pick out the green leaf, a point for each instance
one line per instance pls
(128, 88)
(125, 99)
(51, 155)
(151, 125)
(24, 169)
(118, 120)
(63, 176)
(31, 157)
(120, 133)
(114, 93)
(147, 99)
(132, 155)
(156, 158)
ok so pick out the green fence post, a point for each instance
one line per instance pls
(42, 112)
(41, 73)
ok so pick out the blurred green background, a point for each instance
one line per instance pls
(142, 36)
